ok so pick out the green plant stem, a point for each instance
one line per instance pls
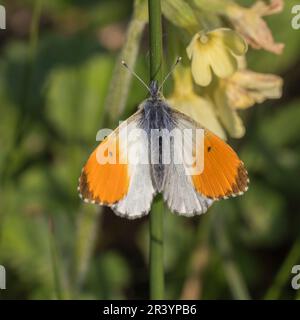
(121, 80)
(234, 277)
(87, 233)
(156, 216)
(61, 291)
(155, 30)
(34, 30)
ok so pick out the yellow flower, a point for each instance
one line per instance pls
(185, 99)
(240, 91)
(245, 88)
(215, 51)
(249, 22)
(228, 116)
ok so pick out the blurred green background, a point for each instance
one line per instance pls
(55, 71)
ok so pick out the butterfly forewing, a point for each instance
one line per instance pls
(223, 173)
(125, 183)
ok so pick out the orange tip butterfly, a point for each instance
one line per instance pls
(140, 159)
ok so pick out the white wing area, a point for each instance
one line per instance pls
(180, 195)
(178, 191)
(137, 202)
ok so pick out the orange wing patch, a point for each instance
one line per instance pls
(224, 174)
(104, 183)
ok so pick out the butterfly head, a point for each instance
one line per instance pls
(154, 90)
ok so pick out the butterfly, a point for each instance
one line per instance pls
(128, 183)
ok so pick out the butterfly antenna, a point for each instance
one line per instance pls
(132, 72)
(170, 72)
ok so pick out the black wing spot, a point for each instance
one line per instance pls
(209, 149)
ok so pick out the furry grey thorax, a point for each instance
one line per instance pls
(157, 115)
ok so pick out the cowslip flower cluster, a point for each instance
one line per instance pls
(215, 83)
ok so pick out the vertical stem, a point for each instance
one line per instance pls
(155, 29)
(120, 84)
(156, 216)
(34, 30)
(54, 262)
(234, 277)
(61, 283)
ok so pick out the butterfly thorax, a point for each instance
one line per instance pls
(157, 121)
(157, 115)
(154, 90)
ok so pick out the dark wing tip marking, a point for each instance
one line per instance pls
(84, 190)
(238, 188)
(242, 181)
